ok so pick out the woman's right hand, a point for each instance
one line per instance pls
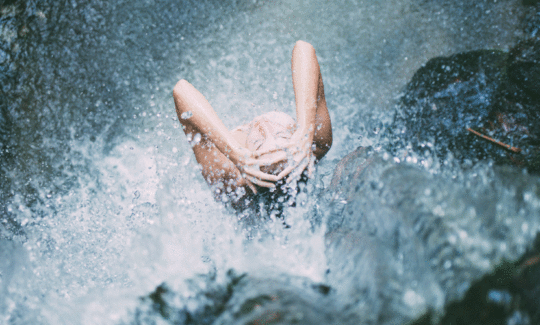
(249, 167)
(297, 153)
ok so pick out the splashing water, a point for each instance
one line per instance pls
(102, 200)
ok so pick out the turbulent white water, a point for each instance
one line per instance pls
(102, 199)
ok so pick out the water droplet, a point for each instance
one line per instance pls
(196, 139)
(412, 298)
(186, 115)
(447, 264)
(525, 227)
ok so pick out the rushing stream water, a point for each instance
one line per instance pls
(101, 198)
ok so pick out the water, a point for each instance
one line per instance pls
(102, 200)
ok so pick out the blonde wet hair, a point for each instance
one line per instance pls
(281, 127)
(279, 124)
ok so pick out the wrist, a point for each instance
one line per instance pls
(237, 155)
(306, 131)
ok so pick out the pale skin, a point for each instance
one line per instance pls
(225, 155)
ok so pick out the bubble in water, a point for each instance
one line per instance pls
(186, 115)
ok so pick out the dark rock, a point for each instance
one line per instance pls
(210, 299)
(523, 69)
(281, 300)
(508, 295)
(444, 98)
(530, 2)
(242, 299)
(515, 116)
(492, 93)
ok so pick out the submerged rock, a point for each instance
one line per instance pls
(403, 243)
(508, 295)
(242, 299)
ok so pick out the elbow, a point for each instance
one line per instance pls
(330, 141)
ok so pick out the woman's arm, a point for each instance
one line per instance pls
(197, 116)
(314, 134)
(196, 113)
(311, 110)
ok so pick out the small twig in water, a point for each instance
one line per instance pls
(504, 145)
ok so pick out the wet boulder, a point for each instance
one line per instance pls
(531, 2)
(476, 105)
(523, 69)
(444, 98)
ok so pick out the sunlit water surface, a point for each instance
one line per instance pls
(102, 199)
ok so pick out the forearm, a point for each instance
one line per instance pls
(305, 73)
(196, 114)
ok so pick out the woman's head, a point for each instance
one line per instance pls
(270, 131)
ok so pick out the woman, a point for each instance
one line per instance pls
(269, 148)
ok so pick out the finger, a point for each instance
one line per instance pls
(286, 172)
(290, 168)
(282, 156)
(259, 182)
(259, 153)
(258, 174)
(298, 171)
(290, 146)
(251, 186)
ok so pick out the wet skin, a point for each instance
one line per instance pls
(252, 154)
